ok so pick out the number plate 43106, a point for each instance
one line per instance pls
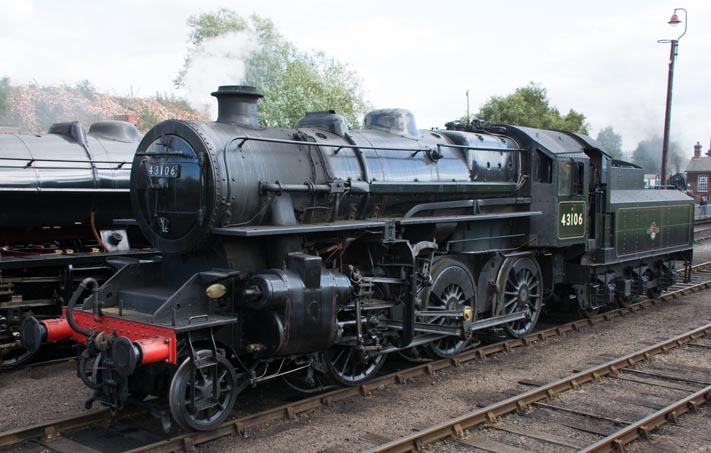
(571, 220)
(164, 170)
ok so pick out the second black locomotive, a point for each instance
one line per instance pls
(60, 193)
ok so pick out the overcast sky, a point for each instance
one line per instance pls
(600, 58)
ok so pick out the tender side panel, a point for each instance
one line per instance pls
(652, 228)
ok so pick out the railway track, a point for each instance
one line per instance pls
(702, 233)
(550, 411)
(49, 434)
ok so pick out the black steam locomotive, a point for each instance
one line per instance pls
(312, 253)
(60, 193)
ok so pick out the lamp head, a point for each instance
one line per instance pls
(674, 21)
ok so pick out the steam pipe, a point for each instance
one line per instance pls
(306, 187)
(83, 286)
(81, 368)
(96, 233)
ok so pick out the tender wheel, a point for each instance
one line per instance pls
(452, 289)
(653, 293)
(624, 301)
(196, 407)
(349, 366)
(588, 312)
(521, 289)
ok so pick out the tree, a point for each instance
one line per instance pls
(4, 96)
(529, 106)
(292, 81)
(611, 142)
(648, 155)
(86, 89)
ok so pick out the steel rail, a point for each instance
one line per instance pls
(290, 411)
(641, 429)
(51, 430)
(455, 427)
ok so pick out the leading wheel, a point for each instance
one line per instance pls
(452, 290)
(521, 290)
(349, 366)
(202, 406)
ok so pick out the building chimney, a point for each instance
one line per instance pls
(708, 153)
(237, 104)
(697, 149)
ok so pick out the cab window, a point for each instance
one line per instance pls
(571, 176)
(544, 168)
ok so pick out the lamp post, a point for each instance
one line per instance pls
(674, 21)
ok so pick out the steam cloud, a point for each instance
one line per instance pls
(218, 61)
(649, 155)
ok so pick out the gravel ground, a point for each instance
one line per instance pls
(362, 423)
(35, 395)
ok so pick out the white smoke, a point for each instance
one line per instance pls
(218, 61)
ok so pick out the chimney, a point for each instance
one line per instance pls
(708, 153)
(697, 149)
(237, 104)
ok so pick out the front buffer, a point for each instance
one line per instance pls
(127, 356)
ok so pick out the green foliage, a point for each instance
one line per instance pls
(610, 141)
(147, 119)
(308, 84)
(292, 81)
(4, 96)
(529, 106)
(210, 25)
(86, 89)
(172, 102)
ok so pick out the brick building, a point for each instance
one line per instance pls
(698, 175)
(130, 118)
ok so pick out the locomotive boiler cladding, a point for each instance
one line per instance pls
(65, 175)
(60, 193)
(314, 252)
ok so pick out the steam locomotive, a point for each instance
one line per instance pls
(314, 252)
(60, 193)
